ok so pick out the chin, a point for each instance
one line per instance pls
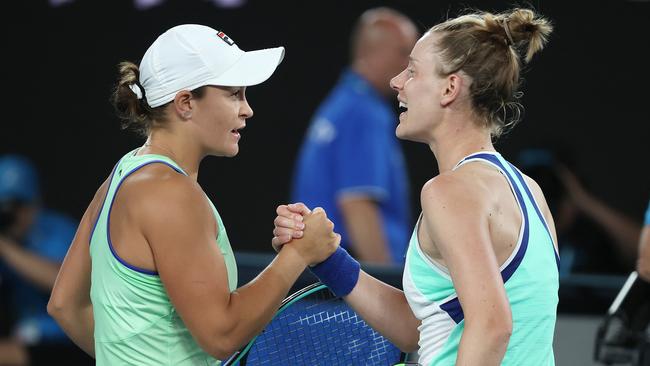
(402, 133)
(399, 132)
(231, 153)
(234, 151)
(412, 136)
(226, 152)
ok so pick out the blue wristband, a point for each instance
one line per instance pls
(339, 272)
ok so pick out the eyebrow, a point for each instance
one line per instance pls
(411, 59)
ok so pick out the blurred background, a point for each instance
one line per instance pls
(585, 99)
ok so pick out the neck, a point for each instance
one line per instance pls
(456, 139)
(175, 146)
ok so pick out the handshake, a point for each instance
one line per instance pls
(311, 233)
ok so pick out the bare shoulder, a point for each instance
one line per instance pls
(157, 183)
(460, 189)
(464, 184)
(158, 193)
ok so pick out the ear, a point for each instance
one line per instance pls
(451, 89)
(183, 104)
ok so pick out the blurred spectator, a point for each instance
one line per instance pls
(643, 263)
(33, 242)
(351, 163)
(592, 236)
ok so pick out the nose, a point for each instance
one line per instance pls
(396, 82)
(246, 111)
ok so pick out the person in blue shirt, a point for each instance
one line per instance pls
(33, 243)
(350, 162)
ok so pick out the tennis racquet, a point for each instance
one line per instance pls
(315, 327)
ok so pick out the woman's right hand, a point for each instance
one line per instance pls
(319, 240)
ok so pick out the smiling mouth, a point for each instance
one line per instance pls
(403, 107)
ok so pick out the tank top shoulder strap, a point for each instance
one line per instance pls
(494, 159)
(525, 198)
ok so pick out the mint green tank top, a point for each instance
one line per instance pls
(135, 322)
(531, 281)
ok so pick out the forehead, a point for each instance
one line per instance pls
(423, 51)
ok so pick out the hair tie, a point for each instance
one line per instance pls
(509, 40)
(137, 90)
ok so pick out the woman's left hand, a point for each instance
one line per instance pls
(288, 224)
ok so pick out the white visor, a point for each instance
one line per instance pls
(189, 56)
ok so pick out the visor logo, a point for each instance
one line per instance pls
(225, 38)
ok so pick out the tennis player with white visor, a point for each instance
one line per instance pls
(150, 278)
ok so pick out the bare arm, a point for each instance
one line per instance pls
(454, 216)
(379, 304)
(70, 303)
(643, 263)
(180, 229)
(386, 310)
(36, 269)
(363, 223)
